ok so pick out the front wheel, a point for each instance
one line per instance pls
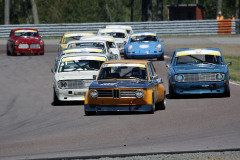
(153, 106)
(172, 94)
(90, 113)
(227, 92)
(161, 58)
(56, 101)
(162, 104)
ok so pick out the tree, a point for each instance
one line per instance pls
(35, 12)
(7, 12)
(219, 6)
(146, 10)
(159, 10)
(236, 8)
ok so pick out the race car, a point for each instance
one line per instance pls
(120, 36)
(74, 74)
(72, 36)
(198, 71)
(126, 85)
(144, 45)
(110, 42)
(25, 41)
(126, 27)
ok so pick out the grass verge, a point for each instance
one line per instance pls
(234, 69)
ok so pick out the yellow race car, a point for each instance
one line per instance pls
(72, 36)
(126, 85)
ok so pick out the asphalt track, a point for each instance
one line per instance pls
(30, 127)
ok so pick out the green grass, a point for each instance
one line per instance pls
(234, 69)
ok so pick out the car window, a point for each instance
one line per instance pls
(150, 70)
(199, 59)
(19, 33)
(68, 39)
(141, 38)
(123, 71)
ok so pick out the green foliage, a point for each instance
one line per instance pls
(87, 11)
(234, 68)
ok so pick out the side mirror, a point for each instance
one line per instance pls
(167, 65)
(95, 77)
(229, 63)
(153, 77)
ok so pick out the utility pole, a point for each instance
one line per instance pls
(7, 12)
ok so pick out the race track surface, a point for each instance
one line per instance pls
(31, 127)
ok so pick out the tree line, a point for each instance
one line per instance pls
(87, 11)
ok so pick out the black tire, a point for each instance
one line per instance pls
(56, 101)
(162, 105)
(161, 58)
(227, 92)
(90, 113)
(8, 53)
(42, 54)
(172, 94)
(153, 105)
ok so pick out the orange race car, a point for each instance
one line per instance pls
(126, 85)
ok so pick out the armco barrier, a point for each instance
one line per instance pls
(188, 27)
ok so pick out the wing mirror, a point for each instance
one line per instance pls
(95, 77)
(167, 65)
(229, 63)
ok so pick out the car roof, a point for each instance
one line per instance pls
(83, 54)
(128, 61)
(78, 34)
(144, 33)
(105, 30)
(25, 29)
(199, 51)
(105, 38)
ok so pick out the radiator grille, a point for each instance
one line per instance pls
(23, 45)
(105, 93)
(200, 77)
(34, 45)
(128, 93)
(75, 84)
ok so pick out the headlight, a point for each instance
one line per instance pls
(139, 94)
(130, 47)
(179, 78)
(220, 76)
(159, 47)
(94, 93)
(62, 84)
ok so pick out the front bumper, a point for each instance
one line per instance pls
(200, 87)
(148, 55)
(29, 51)
(118, 108)
(71, 94)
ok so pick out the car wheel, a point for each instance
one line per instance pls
(162, 104)
(56, 101)
(161, 58)
(227, 92)
(8, 52)
(90, 113)
(153, 105)
(172, 94)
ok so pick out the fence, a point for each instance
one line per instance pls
(188, 27)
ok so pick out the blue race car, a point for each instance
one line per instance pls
(142, 45)
(198, 71)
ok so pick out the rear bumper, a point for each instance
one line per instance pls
(118, 108)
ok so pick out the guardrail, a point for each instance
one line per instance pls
(188, 27)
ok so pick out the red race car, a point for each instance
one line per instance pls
(25, 41)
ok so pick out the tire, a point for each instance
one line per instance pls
(162, 104)
(153, 105)
(90, 113)
(161, 58)
(8, 53)
(227, 92)
(172, 94)
(56, 101)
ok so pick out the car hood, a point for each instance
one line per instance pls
(144, 45)
(120, 84)
(199, 68)
(75, 75)
(28, 39)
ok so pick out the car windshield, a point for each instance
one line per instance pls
(199, 59)
(20, 33)
(73, 38)
(79, 65)
(88, 45)
(142, 38)
(114, 34)
(123, 71)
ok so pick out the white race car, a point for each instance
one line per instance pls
(74, 74)
(110, 42)
(101, 44)
(128, 28)
(120, 36)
